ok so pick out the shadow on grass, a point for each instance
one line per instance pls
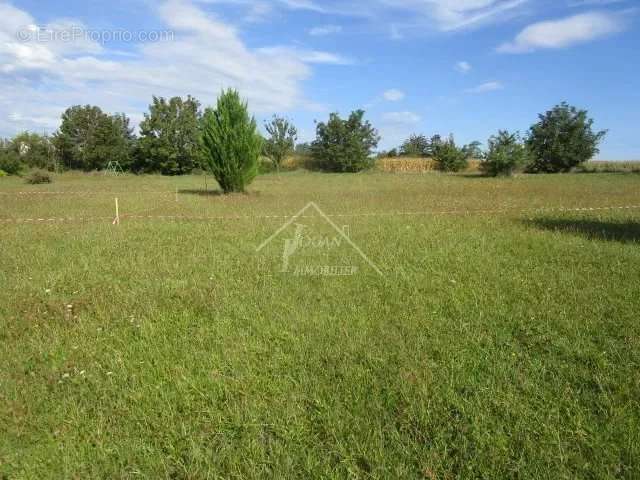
(472, 175)
(201, 192)
(626, 231)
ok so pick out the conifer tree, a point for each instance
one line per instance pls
(231, 142)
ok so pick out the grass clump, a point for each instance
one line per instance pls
(38, 177)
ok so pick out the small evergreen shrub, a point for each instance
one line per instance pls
(38, 177)
(232, 144)
(507, 153)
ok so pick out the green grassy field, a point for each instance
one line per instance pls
(501, 341)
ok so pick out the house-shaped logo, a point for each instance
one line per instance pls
(303, 241)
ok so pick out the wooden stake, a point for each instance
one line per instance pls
(116, 220)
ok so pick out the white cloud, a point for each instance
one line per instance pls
(18, 46)
(393, 95)
(265, 6)
(257, 10)
(303, 5)
(402, 118)
(457, 15)
(325, 30)
(395, 33)
(416, 15)
(583, 3)
(463, 67)
(308, 56)
(565, 32)
(486, 87)
(451, 15)
(395, 127)
(407, 15)
(42, 78)
(314, 56)
(11, 18)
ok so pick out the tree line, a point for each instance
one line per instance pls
(559, 141)
(177, 136)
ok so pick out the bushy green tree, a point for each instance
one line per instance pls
(170, 137)
(303, 149)
(473, 150)
(345, 145)
(88, 138)
(562, 139)
(416, 146)
(35, 151)
(506, 153)
(448, 156)
(393, 153)
(232, 144)
(124, 148)
(113, 141)
(9, 159)
(281, 140)
(76, 139)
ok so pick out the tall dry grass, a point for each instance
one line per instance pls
(601, 166)
(388, 165)
(415, 165)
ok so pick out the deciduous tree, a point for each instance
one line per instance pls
(562, 139)
(88, 138)
(506, 154)
(170, 137)
(281, 140)
(416, 146)
(345, 145)
(35, 150)
(448, 156)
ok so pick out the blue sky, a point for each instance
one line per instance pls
(468, 67)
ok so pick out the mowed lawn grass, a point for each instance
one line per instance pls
(501, 342)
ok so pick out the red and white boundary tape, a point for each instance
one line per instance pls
(284, 217)
(56, 220)
(85, 193)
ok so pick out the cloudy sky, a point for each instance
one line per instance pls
(469, 67)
